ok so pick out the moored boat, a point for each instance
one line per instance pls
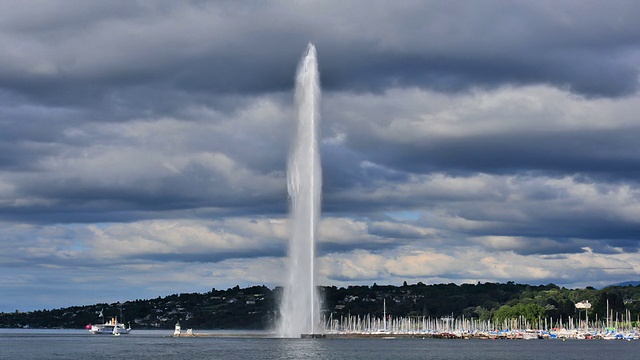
(112, 327)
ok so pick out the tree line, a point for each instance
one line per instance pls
(256, 307)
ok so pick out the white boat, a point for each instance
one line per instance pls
(112, 327)
(530, 335)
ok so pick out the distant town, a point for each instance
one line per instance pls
(256, 307)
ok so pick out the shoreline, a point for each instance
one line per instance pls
(516, 335)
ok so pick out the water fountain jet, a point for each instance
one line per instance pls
(300, 307)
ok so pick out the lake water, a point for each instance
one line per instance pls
(78, 344)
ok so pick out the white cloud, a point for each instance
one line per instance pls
(410, 115)
(472, 264)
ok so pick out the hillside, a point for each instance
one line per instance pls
(257, 307)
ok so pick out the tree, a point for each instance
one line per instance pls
(529, 312)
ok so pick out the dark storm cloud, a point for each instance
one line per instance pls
(607, 152)
(540, 246)
(343, 167)
(593, 77)
(366, 243)
(213, 257)
(158, 45)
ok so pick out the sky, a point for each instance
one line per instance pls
(143, 144)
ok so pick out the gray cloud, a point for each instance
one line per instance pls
(609, 152)
(151, 136)
(221, 48)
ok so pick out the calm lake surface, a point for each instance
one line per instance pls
(78, 344)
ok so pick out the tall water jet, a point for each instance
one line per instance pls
(300, 307)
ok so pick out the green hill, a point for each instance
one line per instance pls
(257, 307)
